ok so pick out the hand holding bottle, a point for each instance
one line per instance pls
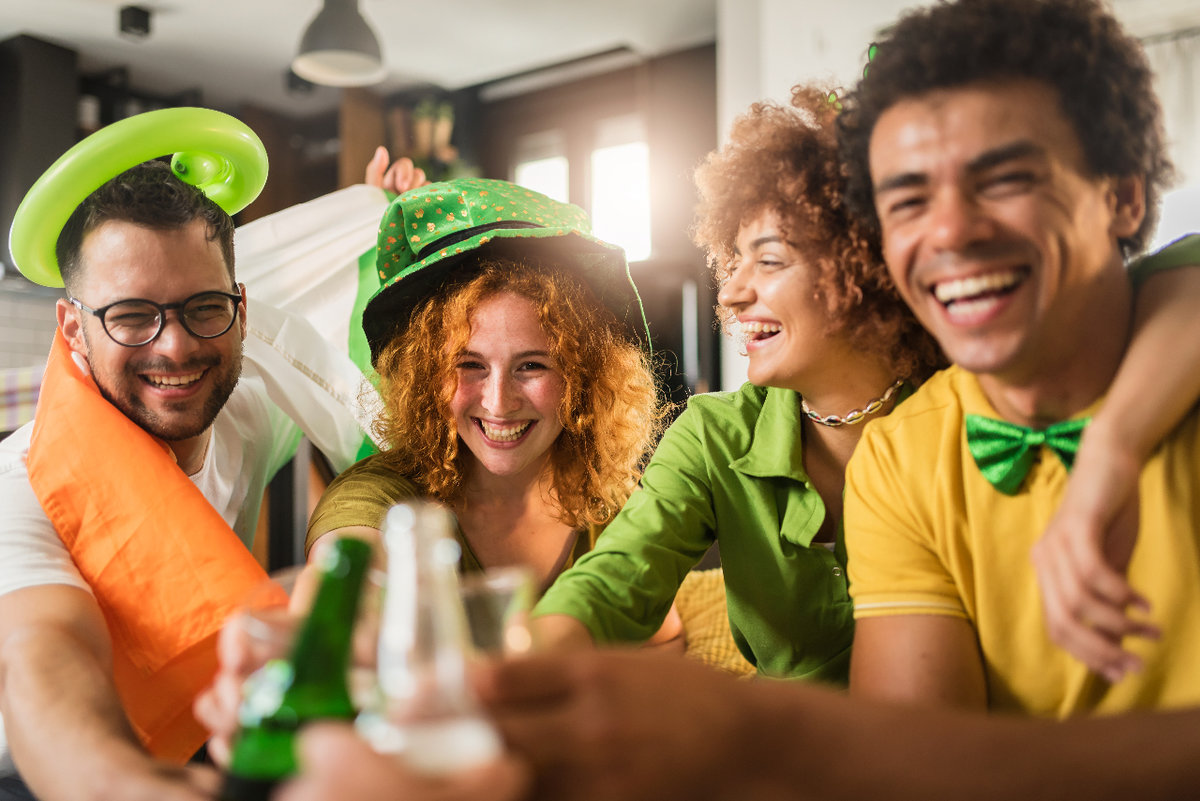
(310, 684)
(262, 630)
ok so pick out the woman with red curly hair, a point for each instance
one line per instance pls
(512, 393)
(760, 471)
(515, 392)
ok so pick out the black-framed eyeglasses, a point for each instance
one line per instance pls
(136, 321)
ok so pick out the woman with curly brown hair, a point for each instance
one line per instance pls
(511, 393)
(760, 471)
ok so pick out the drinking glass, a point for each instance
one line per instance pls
(427, 713)
(497, 602)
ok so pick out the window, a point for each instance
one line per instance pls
(542, 165)
(548, 176)
(620, 185)
(618, 177)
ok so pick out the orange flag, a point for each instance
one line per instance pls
(164, 566)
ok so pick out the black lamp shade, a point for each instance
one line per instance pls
(339, 48)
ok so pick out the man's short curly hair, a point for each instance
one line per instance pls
(1100, 74)
(784, 160)
(610, 412)
(150, 195)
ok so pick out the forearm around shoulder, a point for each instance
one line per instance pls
(1159, 377)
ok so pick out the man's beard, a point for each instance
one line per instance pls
(181, 426)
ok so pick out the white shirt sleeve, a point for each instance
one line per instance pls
(31, 553)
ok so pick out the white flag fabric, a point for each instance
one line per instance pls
(308, 271)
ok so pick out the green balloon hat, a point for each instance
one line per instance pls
(212, 151)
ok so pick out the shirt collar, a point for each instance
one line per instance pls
(776, 448)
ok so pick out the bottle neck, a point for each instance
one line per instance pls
(322, 649)
(423, 643)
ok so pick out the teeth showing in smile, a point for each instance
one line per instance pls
(504, 433)
(753, 329)
(173, 380)
(962, 289)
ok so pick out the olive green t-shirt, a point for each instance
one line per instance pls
(362, 495)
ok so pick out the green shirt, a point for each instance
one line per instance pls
(729, 470)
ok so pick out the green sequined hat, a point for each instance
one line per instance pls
(433, 237)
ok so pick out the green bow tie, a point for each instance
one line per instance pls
(1005, 451)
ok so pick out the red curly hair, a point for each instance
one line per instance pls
(785, 160)
(610, 412)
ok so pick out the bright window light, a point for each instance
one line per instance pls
(1177, 216)
(548, 176)
(542, 166)
(621, 197)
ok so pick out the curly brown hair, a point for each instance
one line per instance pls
(1100, 73)
(784, 160)
(610, 412)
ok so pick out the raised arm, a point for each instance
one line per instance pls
(68, 733)
(400, 177)
(1081, 558)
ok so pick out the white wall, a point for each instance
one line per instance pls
(27, 323)
(1176, 64)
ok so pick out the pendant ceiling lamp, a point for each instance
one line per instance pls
(339, 48)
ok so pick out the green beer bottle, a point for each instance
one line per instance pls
(309, 685)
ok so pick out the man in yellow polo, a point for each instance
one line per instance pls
(1011, 152)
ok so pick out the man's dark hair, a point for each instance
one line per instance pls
(1099, 72)
(151, 195)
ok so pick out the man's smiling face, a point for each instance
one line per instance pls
(993, 230)
(174, 386)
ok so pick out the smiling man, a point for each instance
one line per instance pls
(132, 499)
(1011, 154)
(171, 380)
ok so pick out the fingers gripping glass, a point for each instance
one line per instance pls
(137, 322)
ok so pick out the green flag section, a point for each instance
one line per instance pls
(368, 284)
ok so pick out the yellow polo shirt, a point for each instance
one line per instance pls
(927, 534)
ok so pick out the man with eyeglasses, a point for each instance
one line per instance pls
(96, 664)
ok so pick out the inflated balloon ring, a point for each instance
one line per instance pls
(212, 151)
